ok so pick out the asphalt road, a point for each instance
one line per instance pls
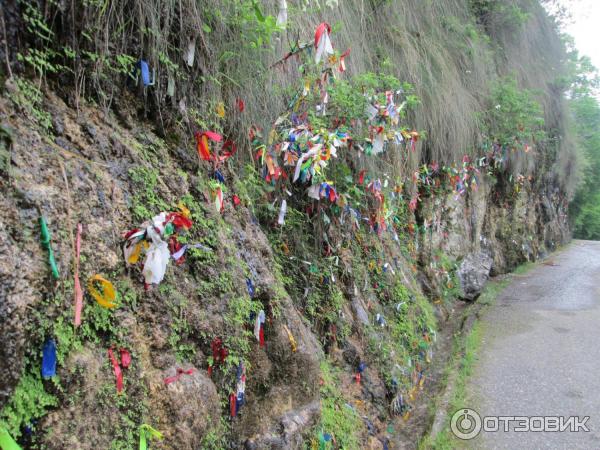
(540, 354)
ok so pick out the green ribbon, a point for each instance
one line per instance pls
(7, 442)
(146, 432)
(169, 229)
(322, 444)
(45, 240)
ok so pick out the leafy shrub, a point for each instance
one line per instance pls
(514, 118)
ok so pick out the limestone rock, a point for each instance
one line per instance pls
(473, 273)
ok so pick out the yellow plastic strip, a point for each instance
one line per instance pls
(105, 298)
(291, 338)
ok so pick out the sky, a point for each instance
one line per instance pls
(585, 27)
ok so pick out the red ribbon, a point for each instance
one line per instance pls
(117, 370)
(202, 143)
(361, 177)
(174, 247)
(232, 404)
(77, 287)
(125, 363)
(179, 374)
(229, 149)
(323, 27)
(342, 67)
(261, 335)
(219, 351)
(130, 233)
(236, 200)
(332, 195)
(125, 358)
(240, 104)
(179, 220)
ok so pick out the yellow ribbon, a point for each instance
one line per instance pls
(105, 298)
(184, 210)
(137, 250)
(291, 338)
(220, 110)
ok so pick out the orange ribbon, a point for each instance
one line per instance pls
(202, 143)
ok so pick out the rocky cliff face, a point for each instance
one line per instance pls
(324, 323)
(106, 174)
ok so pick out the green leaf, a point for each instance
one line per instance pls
(258, 12)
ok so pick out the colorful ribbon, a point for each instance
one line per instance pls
(250, 287)
(7, 442)
(125, 363)
(185, 247)
(220, 110)
(229, 149)
(116, 370)
(321, 28)
(240, 105)
(322, 41)
(147, 432)
(219, 351)
(45, 239)
(145, 71)
(258, 327)
(218, 195)
(342, 66)
(178, 375)
(240, 397)
(202, 143)
(77, 285)
(282, 212)
(49, 359)
(293, 344)
(232, 404)
(107, 297)
(125, 358)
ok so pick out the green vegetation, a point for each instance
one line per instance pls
(216, 437)
(338, 418)
(29, 401)
(28, 98)
(492, 13)
(515, 118)
(146, 203)
(585, 207)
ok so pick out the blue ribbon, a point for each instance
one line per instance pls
(49, 359)
(250, 287)
(145, 71)
(219, 177)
